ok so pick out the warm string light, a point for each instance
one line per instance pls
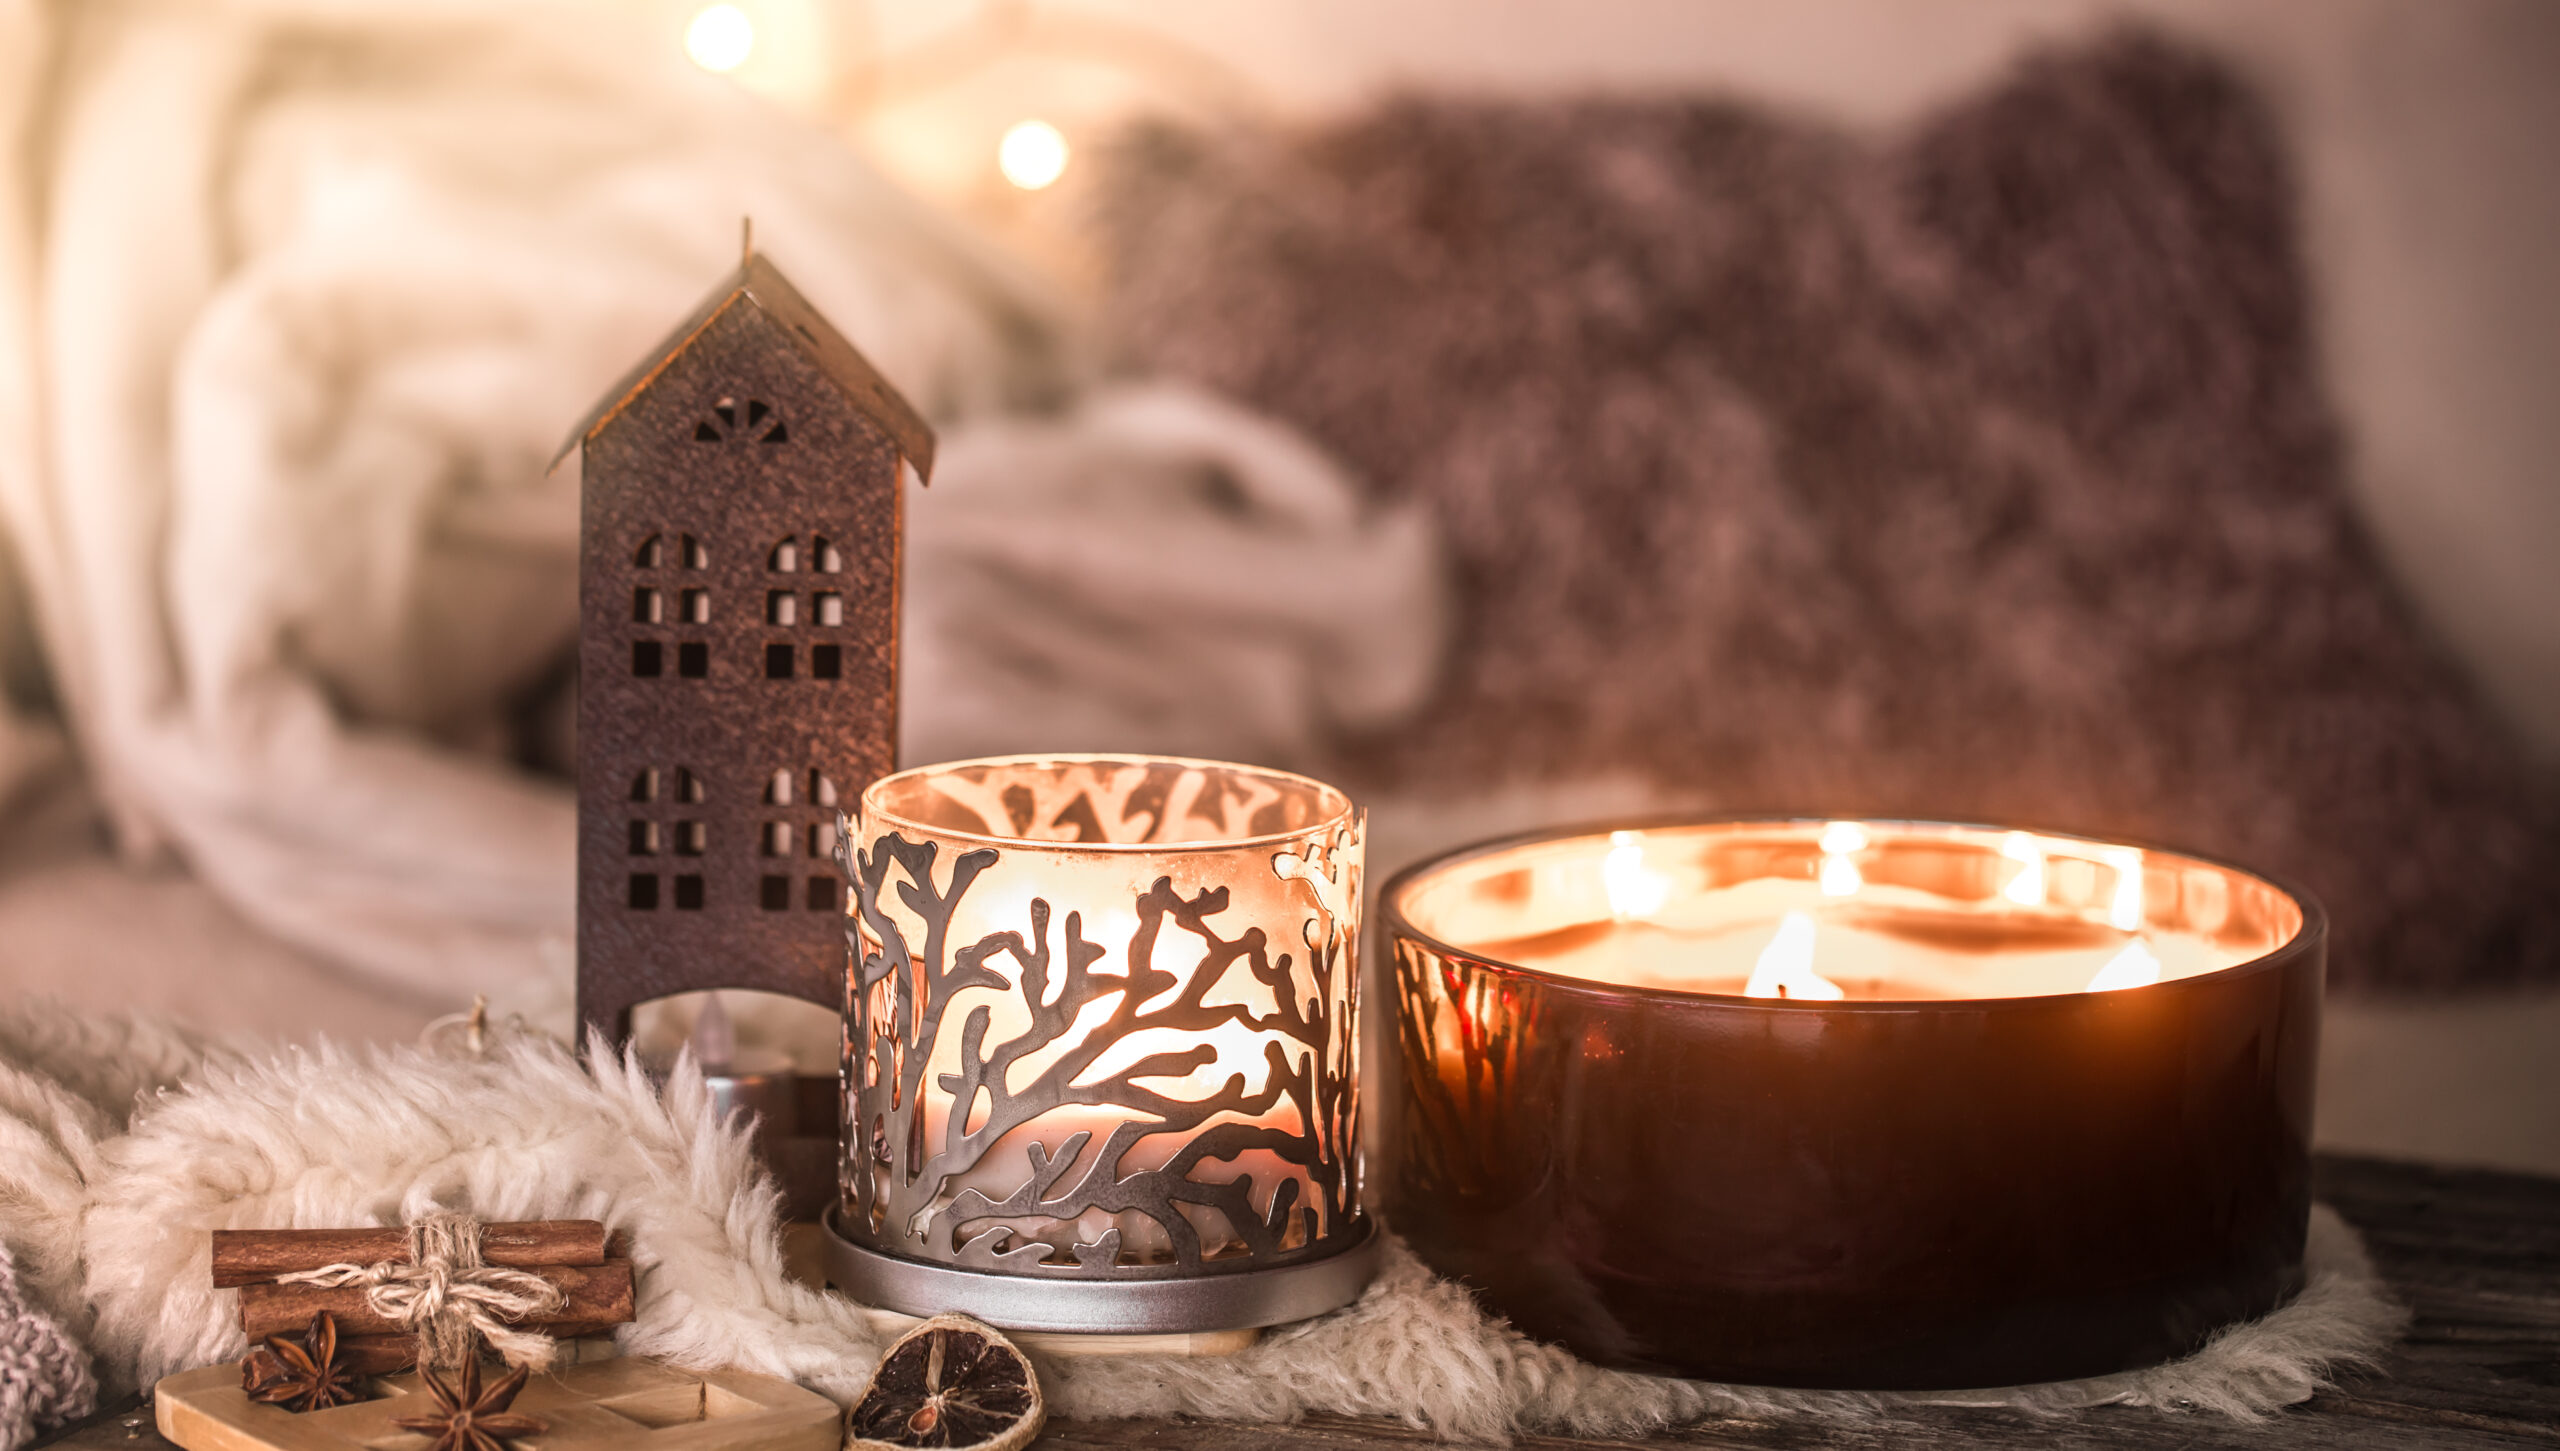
(720, 38)
(1033, 154)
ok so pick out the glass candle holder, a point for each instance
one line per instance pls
(1854, 1104)
(1101, 1056)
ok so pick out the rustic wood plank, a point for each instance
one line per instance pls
(2476, 1254)
(613, 1405)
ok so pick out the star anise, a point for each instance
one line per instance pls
(468, 1420)
(308, 1376)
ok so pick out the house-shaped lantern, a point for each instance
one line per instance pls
(738, 652)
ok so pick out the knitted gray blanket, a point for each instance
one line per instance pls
(1983, 472)
(44, 1374)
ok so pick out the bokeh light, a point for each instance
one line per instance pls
(720, 38)
(1032, 155)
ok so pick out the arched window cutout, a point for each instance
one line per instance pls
(822, 792)
(823, 556)
(785, 558)
(688, 786)
(644, 787)
(653, 552)
(695, 556)
(731, 419)
(777, 792)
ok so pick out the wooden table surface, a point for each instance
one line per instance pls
(2476, 1254)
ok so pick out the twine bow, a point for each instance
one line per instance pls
(449, 1297)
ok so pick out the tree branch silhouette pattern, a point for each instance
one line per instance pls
(899, 1000)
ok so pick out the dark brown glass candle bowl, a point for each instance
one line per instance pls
(1950, 1155)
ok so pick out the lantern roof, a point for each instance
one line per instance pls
(760, 286)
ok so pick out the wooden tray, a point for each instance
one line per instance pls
(605, 1404)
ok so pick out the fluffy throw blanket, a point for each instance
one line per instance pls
(1981, 471)
(123, 1145)
(296, 299)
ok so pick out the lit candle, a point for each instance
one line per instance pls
(1832, 911)
(1099, 1027)
(1875, 1104)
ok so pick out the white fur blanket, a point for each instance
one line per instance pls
(298, 296)
(121, 1145)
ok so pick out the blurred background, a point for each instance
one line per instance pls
(2127, 418)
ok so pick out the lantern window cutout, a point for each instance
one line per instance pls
(1101, 1029)
(644, 786)
(824, 557)
(780, 661)
(697, 607)
(648, 607)
(643, 895)
(651, 554)
(696, 556)
(777, 788)
(644, 838)
(784, 557)
(689, 893)
(779, 838)
(689, 788)
(781, 607)
(693, 660)
(733, 421)
(826, 608)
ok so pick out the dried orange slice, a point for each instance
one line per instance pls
(954, 1383)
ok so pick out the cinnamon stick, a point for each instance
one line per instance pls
(258, 1256)
(599, 1296)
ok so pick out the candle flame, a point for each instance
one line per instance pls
(2124, 910)
(2026, 888)
(2133, 967)
(1634, 889)
(1839, 838)
(1785, 969)
(1839, 876)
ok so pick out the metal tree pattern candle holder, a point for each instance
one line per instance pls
(1101, 1039)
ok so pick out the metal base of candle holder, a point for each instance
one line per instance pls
(1239, 1301)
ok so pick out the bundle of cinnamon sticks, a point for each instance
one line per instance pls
(592, 1269)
